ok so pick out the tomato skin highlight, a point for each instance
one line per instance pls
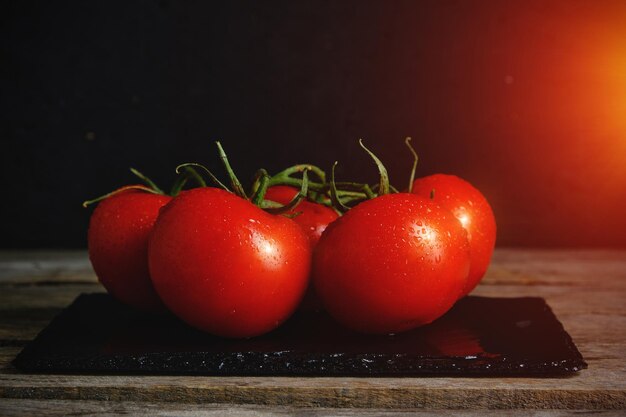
(117, 239)
(225, 266)
(473, 211)
(391, 264)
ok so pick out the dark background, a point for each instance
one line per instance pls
(526, 99)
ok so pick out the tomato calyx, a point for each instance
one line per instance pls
(234, 181)
(150, 186)
(336, 195)
(407, 142)
(383, 183)
(365, 192)
(285, 177)
(261, 183)
(120, 190)
(276, 208)
(319, 192)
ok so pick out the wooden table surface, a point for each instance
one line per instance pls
(585, 288)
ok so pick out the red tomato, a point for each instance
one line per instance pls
(314, 218)
(118, 246)
(474, 213)
(391, 264)
(225, 266)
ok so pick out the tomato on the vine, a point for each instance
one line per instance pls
(390, 264)
(473, 212)
(118, 245)
(312, 217)
(225, 266)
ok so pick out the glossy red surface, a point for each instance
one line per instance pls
(313, 217)
(391, 264)
(225, 266)
(118, 246)
(474, 213)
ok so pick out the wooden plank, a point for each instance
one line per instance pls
(557, 256)
(26, 310)
(42, 296)
(110, 408)
(601, 268)
(7, 354)
(10, 408)
(19, 326)
(401, 393)
(32, 267)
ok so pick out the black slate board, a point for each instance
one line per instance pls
(479, 336)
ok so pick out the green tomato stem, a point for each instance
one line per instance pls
(234, 181)
(296, 169)
(146, 180)
(259, 193)
(193, 174)
(362, 189)
(187, 174)
(302, 194)
(256, 181)
(121, 190)
(206, 170)
(334, 196)
(407, 142)
(383, 187)
(179, 184)
(283, 178)
(295, 182)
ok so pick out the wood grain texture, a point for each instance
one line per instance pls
(11, 407)
(586, 290)
(36, 267)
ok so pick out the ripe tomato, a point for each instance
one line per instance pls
(225, 266)
(473, 211)
(118, 246)
(314, 218)
(391, 264)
